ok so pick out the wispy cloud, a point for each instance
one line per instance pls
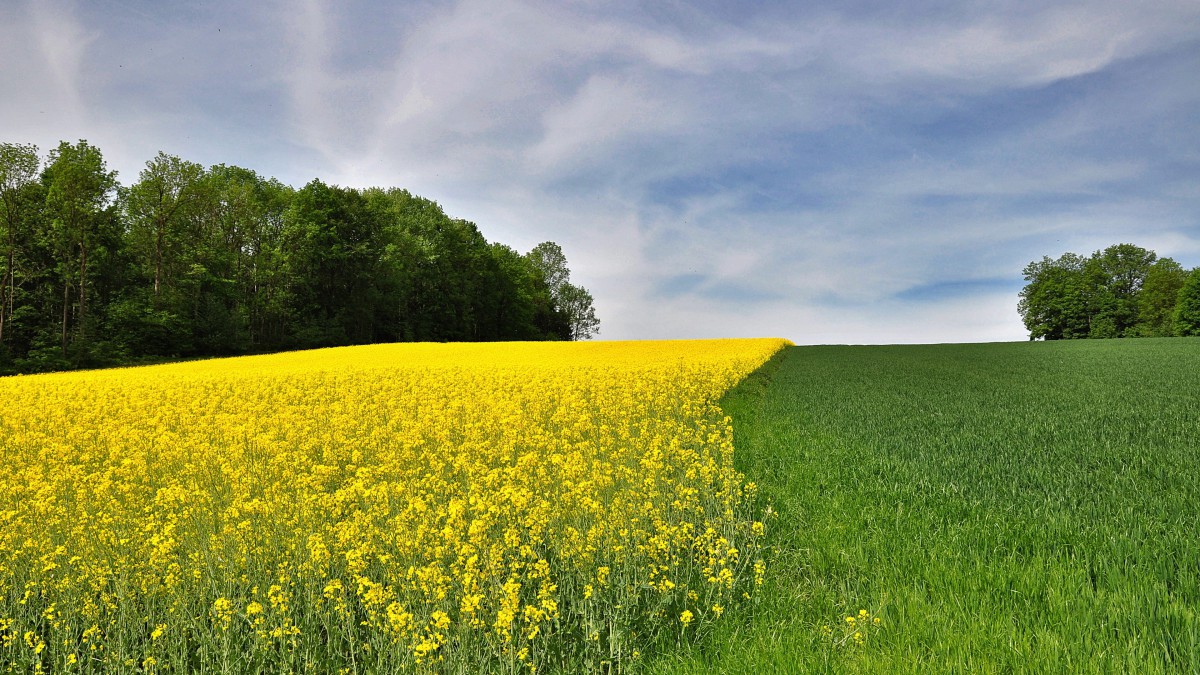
(43, 47)
(827, 171)
(62, 43)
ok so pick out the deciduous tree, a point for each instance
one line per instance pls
(18, 170)
(1159, 295)
(573, 302)
(79, 189)
(1118, 273)
(1057, 302)
(576, 304)
(1187, 307)
(157, 211)
(200, 262)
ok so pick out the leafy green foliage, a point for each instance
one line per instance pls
(574, 301)
(1056, 304)
(1019, 507)
(1118, 274)
(18, 171)
(1122, 291)
(1159, 295)
(1187, 308)
(79, 191)
(192, 262)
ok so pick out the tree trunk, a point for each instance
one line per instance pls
(6, 294)
(66, 307)
(8, 285)
(82, 291)
(159, 234)
(12, 292)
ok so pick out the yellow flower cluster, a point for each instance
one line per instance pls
(856, 630)
(503, 507)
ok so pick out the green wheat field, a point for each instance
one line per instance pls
(1014, 507)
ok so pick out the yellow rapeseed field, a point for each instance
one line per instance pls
(448, 508)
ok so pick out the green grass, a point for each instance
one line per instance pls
(1018, 507)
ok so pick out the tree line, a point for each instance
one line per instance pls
(1122, 291)
(192, 261)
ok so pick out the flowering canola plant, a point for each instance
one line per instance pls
(426, 507)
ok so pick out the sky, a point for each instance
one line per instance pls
(863, 172)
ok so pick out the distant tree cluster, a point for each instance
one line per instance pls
(1122, 291)
(192, 262)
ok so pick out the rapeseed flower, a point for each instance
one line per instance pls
(375, 508)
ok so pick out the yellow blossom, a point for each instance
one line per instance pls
(400, 504)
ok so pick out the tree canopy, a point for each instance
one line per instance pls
(1122, 291)
(1187, 310)
(191, 261)
(574, 301)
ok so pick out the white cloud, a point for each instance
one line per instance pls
(62, 44)
(42, 46)
(988, 318)
(775, 159)
(1020, 47)
(604, 111)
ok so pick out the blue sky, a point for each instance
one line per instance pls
(850, 172)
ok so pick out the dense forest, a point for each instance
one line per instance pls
(1122, 291)
(191, 262)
